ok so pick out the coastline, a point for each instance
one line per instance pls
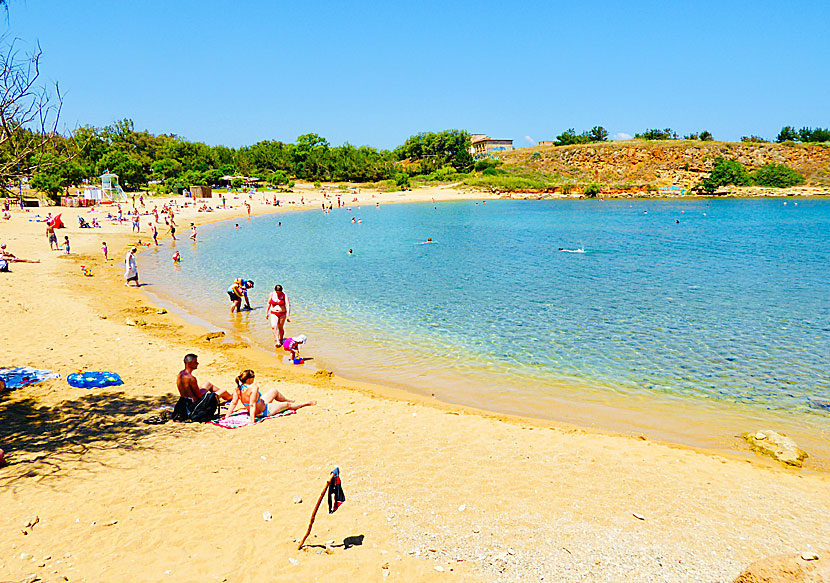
(409, 464)
(713, 425)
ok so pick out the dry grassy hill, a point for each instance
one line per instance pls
(639, 163)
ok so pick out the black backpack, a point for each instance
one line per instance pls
(181, 412)
(207, 409)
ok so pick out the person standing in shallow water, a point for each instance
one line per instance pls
(279, 310)
(130, 268)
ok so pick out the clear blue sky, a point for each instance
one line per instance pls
(374, 73)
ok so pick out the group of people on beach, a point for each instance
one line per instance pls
(277, 312)
(247, 393)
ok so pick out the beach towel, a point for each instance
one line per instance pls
(336, 496)
(21, 376)
(94, 379)
(243, 419)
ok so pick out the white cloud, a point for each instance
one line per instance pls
(622, 136)
(530, 140)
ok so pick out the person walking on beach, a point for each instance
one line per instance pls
(155, 233)
(239, 291)
(104, 250)
(261, 404)
(130, 268)
(172, 231)
(53, 238)
(278, 312)
(193, 232)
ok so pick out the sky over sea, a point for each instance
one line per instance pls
(375, 73)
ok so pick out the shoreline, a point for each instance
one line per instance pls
(715, 425)
(485, 497)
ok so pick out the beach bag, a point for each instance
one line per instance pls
(181, 412)
(207, 409)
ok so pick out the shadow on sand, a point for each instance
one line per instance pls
(38, 439)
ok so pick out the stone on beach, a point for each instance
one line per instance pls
(776, 445)
(788, 568)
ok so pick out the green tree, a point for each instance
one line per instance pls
(664, 134)
(598, 134)
(787, 134)
(433, 150)
(706, 136)
(806, 134)
(777, 176)
(592, 190)
(724, 173)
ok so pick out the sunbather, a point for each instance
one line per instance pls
(12, 258)
(189, 387)
(261, 404)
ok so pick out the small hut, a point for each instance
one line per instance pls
(201, 191)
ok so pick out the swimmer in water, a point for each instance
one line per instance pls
(351, 252)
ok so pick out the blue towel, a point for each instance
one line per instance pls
(21, 376)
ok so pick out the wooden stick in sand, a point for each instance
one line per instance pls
(316, 506)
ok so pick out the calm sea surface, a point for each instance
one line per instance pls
(722, 301)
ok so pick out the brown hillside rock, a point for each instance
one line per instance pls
(804, 568)
(679, 162)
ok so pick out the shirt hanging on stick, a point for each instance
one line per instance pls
(336, 495)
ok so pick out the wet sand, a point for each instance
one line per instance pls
(429, 485)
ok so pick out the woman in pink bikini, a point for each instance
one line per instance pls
(278, 312)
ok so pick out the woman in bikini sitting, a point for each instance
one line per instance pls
(261, 404)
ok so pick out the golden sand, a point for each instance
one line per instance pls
(434, 492)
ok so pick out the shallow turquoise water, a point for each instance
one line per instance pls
(716, 300)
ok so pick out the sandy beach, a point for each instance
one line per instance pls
(434, 491)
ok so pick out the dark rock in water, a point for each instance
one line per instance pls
(808, 567)
(819, 403)
(777, 446)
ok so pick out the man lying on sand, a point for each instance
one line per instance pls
(189, 387)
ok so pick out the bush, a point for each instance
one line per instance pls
(724, 173)
(754, 139)
(776, 176)
(490, 172)
(592, 190)
(665, 134)
(402, 179)
(317, 184)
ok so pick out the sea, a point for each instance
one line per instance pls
(646, 315)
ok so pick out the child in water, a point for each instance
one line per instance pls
(292, 345)
(177, 258)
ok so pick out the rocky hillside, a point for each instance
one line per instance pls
(637, 163)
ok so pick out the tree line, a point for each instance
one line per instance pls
(168, 161)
